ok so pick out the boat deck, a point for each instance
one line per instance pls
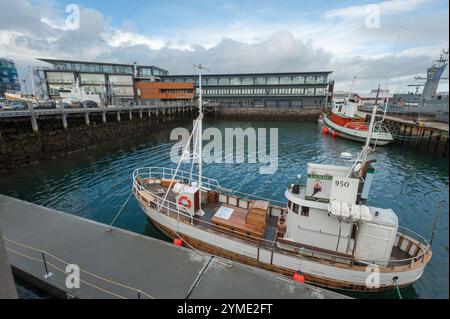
(209, 210)
(398, 254)
(270, 232)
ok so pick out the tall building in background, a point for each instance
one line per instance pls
(114, 82)
(9, 78)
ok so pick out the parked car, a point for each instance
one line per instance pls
(64, 105)
(49, 105)
(77, 105)
(46, 105)
(18, 106)
(90, 104)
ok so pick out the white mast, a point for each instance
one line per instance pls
(351, 89)
(200, 131)
(362, 157)
(369, 135)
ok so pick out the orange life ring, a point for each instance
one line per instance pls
(184, 202)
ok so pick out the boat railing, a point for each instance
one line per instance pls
(188, 177)
(173, 210)
(378, 127)
(170, 173)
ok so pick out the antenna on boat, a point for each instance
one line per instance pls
(200, 129)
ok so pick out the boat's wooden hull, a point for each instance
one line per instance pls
(316, 271)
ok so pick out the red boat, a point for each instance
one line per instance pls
(347, 122)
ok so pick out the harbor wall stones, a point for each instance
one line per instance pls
(20, 146)
(302, 114)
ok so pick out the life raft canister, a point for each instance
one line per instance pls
(184, 202)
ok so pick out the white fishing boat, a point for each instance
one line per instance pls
(325, 235)
(78, 94)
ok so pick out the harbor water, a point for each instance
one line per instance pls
(95, 184)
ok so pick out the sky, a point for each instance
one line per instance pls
(383, 43)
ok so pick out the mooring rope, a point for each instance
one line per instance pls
(120, 210)
(398, 288)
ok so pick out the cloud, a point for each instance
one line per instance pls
(29, 30)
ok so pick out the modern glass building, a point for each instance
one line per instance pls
(268, 90)
(112, 81)
(122, 83)
(9, 78)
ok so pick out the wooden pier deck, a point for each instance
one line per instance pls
(427, 136)
(123, 264)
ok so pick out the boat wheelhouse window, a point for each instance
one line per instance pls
(295, 208)
(289, 204)
(305, 211)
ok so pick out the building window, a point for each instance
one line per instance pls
(322, 79)
(310, 80)
(92, 78)
(310, 91)
(212, 81)
(224, 81)
(285, 80)
(260, 81)
(247, 81)
(235, 81)
(96, 89)
(60, 77)
(305, 211)
(273, 80)
(320, 91)
(121, 79)
(145, 72)
(123, 91)
(298, 80)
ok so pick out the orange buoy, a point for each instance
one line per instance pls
(178, 242)
(325, 130)
(334, 134)
(299, 277)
